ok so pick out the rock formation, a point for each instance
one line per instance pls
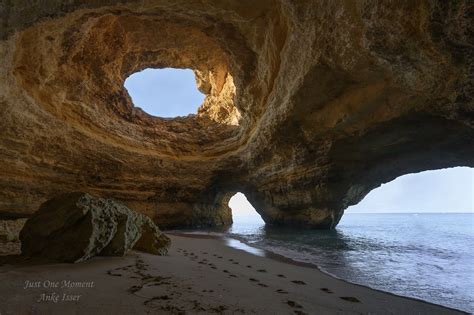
(309, 106)
(9, 236)
(74, 227)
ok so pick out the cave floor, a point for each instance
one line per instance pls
(200, 275)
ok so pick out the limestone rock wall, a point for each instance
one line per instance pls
(310, 104)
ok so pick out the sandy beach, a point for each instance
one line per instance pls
(199, 276)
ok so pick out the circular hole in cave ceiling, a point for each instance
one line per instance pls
(166, 93)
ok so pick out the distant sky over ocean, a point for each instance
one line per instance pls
(445, 190)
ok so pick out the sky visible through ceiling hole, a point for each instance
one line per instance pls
(448, 190)
(165, 92)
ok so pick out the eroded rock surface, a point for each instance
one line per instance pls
(310, 104)
(9, 236)
(74, 227)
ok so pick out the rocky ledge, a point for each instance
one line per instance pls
(309, 104)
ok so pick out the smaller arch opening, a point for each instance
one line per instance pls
(244, 215)
(166, 93)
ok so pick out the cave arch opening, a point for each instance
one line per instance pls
(448, 190)
(166, 92)
(244, 215)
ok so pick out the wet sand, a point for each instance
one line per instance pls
(199, 276)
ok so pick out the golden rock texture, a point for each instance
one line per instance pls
(310, 104)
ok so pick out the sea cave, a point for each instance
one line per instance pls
(306, 107)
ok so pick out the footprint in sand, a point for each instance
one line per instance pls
(298, 312)
(263, 285)
(350, 299)
(281, 276)
(299, 282)
(134, 288)
(281, 291)
(261, 270)
(233, 276)
(248, 266)
(213, 267)
(253, 280)
(162, 297)
(226, 271)
(326, 290)
(109, 272)
(235, 263)
(293, 304)
(210, 291)
(218, 309)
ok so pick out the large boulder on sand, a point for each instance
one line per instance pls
(76, 226)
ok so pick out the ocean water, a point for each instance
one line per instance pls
(425, 256)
